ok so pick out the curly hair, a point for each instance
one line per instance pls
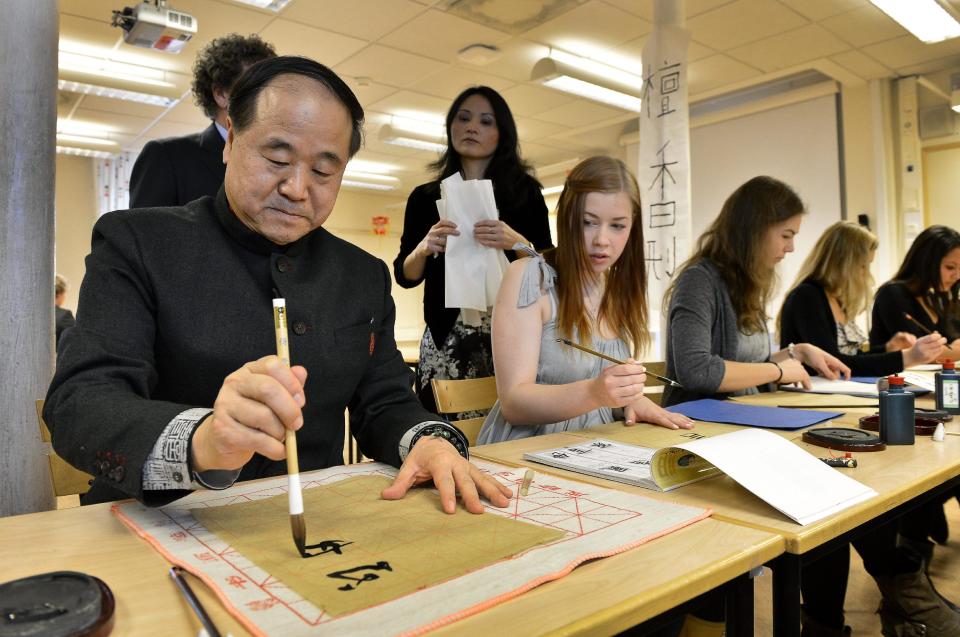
(221, 62)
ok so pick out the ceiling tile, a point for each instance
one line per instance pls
(817, 10)
(389, 66)
(410, 101)
(741, 22)
(449, 82)
(862, 65)
(790, 49)
(517, 57)
(594, 25)
(526, 100)
(644, 8)
(907, 51)
(440, 35)
(864, 26)
(368, 92)
(293, 38)
(634, 48)
(579, 113)
(533, 129)
(715, 71)
(366, 19)
(109, 107)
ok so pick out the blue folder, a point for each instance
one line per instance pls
(732, 413)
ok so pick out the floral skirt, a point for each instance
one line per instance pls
(466, 353)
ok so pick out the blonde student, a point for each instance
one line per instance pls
(591, 290)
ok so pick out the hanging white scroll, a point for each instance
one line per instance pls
(663, 171)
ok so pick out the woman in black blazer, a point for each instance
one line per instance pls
(482, 144)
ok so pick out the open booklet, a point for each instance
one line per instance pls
(770, 466)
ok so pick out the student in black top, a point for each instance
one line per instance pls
(482, 144)
(926, 287)
(832, 289)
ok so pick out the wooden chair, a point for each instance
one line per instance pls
(468, 394)
(653, 388)
(66, 479)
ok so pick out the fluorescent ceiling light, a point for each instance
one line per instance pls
(590, 79)
(955, 100)
(552, 190)
(115, 93)
(363, 165)
(423, 127)
(925, 19)
(78, 127)
(363, 185)
(355, 175)
(410, 139)
(273, 5)
(83, 152)
(84, 139)
(102, 67)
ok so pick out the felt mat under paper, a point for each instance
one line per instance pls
(419, 543)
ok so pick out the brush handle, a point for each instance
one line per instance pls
(923, 327)
(666, 380)
(290, 436)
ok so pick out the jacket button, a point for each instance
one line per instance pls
(177, 476)
(284, 265)
(299, 328)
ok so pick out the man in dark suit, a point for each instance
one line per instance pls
(167, 383)
(177, 170)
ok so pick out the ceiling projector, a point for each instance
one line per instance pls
(153, 26)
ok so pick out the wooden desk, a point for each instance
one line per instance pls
(602, 597)
(900, 475)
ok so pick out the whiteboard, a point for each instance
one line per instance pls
(798, 144)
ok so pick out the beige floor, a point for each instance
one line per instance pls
(862, 594)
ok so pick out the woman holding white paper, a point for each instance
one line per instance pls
(482, 144)
(590, 290)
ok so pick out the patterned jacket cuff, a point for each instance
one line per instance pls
(167, 466)
(437, 429)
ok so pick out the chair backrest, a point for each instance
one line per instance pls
(66, 479)
(653, 388)
(468, 394)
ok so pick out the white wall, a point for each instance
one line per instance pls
(941, 176)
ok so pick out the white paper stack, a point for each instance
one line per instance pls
(472, 272)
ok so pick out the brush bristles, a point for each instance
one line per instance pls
(299, 528)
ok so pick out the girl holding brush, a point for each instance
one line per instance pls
(924, 295)
(590, 290)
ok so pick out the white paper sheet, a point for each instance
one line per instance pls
(779, 472)
(822, 385)
(472, 272)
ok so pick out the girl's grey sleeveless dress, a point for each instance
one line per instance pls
(558, 364)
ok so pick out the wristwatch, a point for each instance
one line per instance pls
(434, 429)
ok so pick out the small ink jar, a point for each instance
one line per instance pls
(896, 413)
(948, 388)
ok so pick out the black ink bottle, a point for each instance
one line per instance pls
(948, 388)
(896, 414)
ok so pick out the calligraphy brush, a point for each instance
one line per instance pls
(294, 493)
(668, 381)
(923, 327)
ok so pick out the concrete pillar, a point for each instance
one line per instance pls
(28, 113)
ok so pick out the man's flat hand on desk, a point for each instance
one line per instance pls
(436, 459)
(255, 406)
